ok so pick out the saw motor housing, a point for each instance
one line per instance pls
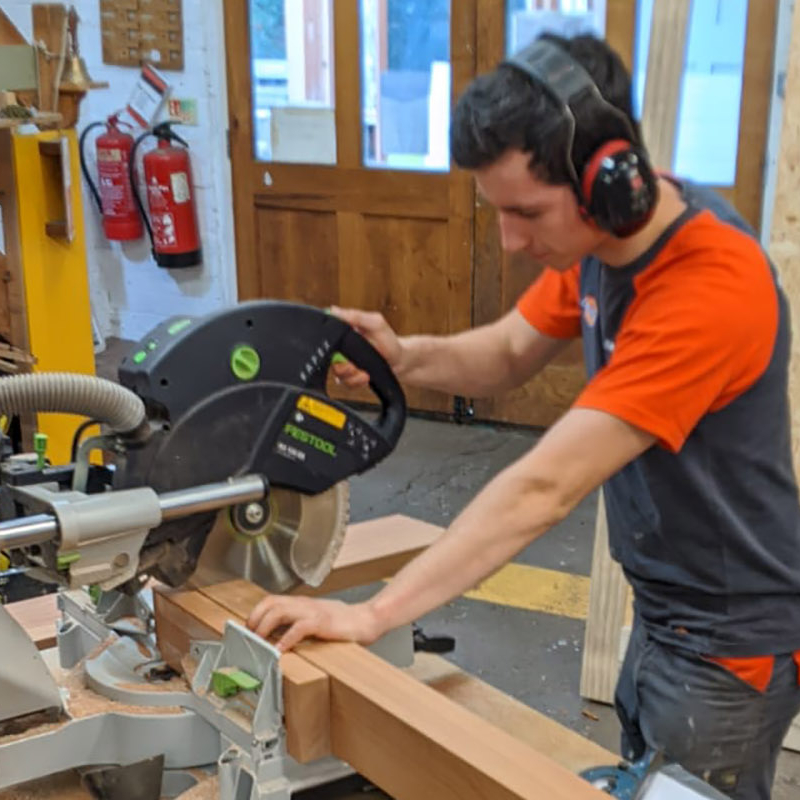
(238, 393)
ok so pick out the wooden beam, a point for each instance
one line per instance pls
(50, 30)
(785, 245)
(378, 713)
(563, 745)
(662, 93)
(608, 597)
(608, 594)
(185, 616)
(374, 550)
(38, 617)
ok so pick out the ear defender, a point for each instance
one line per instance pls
(617, 188)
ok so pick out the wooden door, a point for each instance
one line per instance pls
(395, 241)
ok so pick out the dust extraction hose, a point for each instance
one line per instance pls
(70, 393)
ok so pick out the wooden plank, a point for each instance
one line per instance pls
(759, 53)
(565, 746)
(240, 137)
(373, 191)
(8, 31)
(50, 29)
(785, 245)
(293, 252)
(662, 93)
(379, 712)
(38, 616)
(374, 550)
(184, 616)
(608, 593)
(347, 69)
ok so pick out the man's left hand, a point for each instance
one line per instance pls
(305, 617)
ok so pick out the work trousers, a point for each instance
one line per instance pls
(703, 717)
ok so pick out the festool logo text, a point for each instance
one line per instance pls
(309, 438)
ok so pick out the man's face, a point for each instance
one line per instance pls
(535, 217)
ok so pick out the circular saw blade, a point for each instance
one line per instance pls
(297, 545)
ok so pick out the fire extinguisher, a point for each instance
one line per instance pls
(121, 219)
(172, 223)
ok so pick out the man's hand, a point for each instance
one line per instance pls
(306, 617)
(376, 330)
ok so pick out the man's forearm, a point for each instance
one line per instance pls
(509, 513)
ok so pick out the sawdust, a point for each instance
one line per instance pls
(80, 701)
(63, 786)
(207, 789)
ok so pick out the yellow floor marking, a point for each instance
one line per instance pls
(536, 589)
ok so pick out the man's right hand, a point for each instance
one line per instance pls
(376, 330)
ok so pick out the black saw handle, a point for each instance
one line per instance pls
(354, 347)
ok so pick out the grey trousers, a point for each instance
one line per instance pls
(703, 717)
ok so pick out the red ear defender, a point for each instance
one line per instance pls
(619, 188)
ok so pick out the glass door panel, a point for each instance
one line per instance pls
(405, 80)
(291, 46)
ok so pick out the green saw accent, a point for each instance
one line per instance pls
(65, 559)
(139, 356)
(152, 345)
(40, 448)
(95, 593)
(227, 681)
(338, 358)
(245, 362)
(178, 326)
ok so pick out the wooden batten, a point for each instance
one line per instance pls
(405, 737)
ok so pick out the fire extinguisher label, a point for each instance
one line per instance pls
(180, 187)
(164, 230)
(109, 154)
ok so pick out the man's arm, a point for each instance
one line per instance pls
(576, 455)
(480, 362)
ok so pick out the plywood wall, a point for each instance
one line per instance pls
(785, 242)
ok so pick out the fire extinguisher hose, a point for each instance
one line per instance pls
(135, 188)
(85, 169)
(71, 393)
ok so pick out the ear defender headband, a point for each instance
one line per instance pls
(617, 188)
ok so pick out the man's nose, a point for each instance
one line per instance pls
(512, 236)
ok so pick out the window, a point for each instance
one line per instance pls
(405, 65)
(707, 133)
(526, 19)
(291, 42)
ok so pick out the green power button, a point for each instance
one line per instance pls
(245, 362)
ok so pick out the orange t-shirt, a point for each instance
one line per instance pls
(684, 347)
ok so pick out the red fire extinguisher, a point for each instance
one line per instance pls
(121, 219)
(172, 222)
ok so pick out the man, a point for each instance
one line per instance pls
(684, 419)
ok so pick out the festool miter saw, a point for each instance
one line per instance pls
(231, 461)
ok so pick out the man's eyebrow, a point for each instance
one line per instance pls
(528, 210)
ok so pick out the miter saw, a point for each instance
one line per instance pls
(231, 461)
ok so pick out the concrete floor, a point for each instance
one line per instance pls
(536, 657)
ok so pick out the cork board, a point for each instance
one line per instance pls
(135, 32)
(785, 234)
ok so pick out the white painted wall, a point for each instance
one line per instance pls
(130, 294)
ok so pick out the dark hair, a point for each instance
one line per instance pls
(506, 109)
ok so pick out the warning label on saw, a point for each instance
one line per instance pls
(321, 411)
